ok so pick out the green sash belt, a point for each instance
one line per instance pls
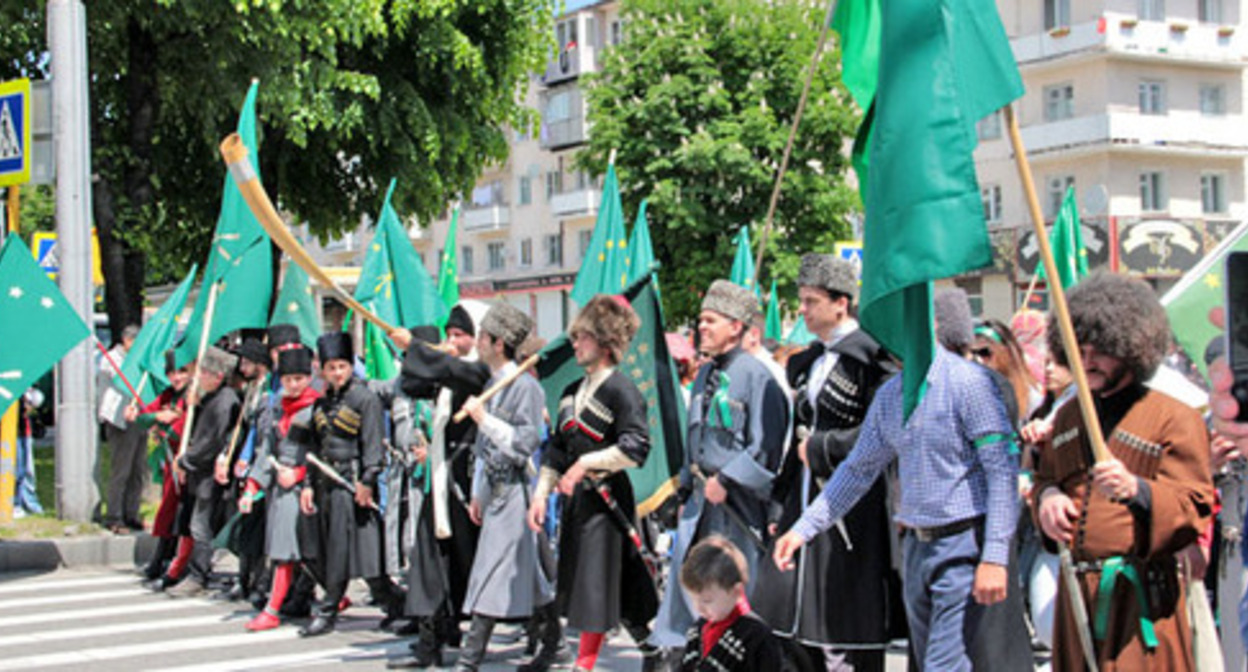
(1113, 569)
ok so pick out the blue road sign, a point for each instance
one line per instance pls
(14, 132)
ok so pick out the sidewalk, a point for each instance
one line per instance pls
(97, 550)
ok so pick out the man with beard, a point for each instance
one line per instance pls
(1124, 518)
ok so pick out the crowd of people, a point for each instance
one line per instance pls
(820, 515)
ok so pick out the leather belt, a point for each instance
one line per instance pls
(930, 534)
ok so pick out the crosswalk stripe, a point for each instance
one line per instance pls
(25, 587)
(102, 612)
(117, 629)
(86, 656)
(347, 654)
(26, 603)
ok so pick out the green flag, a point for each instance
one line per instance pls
(799, 334)
(448, 269)
(743, 263)
(942, 66)
(296, 304)
(649, 365)
(1188, 302)
(640, 250)
(393, 280)
(1066, 239)
(147, 354)
(38, 327)
(773, 329)
(378, 357)
(240, 261)
(604, 270)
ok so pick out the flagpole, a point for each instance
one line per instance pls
(788, 147)
(1057, 296)
(193, 393)
(1031, 288)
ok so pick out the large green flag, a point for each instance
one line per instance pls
(604, 270)
(240, 261)
(448, 269)
(296, 304)
(743, 262)
(378, 357)
(1066, 239)
(1200, 289)
(640, 249)
(393, 280)
(649, 365)
(773, 330)
(39, 326)
(147, 354)
(942, 66)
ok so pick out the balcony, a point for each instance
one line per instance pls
(570, 64)
(1172, 134)
(563, 133)
(483, 218)
(579, 202)
(1123, 35)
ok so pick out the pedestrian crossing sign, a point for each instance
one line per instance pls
(851, 251)
(15, 132)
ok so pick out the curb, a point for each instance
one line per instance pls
(45, 555)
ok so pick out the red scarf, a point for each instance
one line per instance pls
(292, 405)
(711, 632)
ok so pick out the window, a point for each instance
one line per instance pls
(1152, 97)
(526, 190)
(496, 255)
(565, 34)
(974, 288)
(526, 253)
(1056, 14)
(617, 32)
(1055, 193)
(591, 31)
(1212, 100)
(490, 193)
(1209, 11)
(991, 196)
(1152, 192)
(1059, 102)
(989, 128)
(1152, 10)
(554, 249)
(1213, 193)
(558, 106)
(554, 183)
(582, 242)
(465, 259)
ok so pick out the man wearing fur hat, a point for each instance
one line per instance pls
(348, 424)
(1124, 518)
(445, 537)
(600, 431)
(838, 598)
(214, 420)
(507, 580)
(738, 416)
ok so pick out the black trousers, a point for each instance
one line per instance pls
(207, 498)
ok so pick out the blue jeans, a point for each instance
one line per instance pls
(942, 613)
(25, 495)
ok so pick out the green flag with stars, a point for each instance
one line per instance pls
(604, 270)
(1202, 288)
(240, 260)
(649, 365)
(296, 304)
(448, 269)
(38, 327)
(1066, 240)
(147, 355)
(743, 263)
(393, 280)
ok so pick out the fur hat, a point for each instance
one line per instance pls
(335, 345)
(731, 300)
(296, 360)
(171, 361)
(1119, 316)
(282, 335)
(253, 350)
(507, 323)
(217, 360)
(828, 272)
(461, 320)
(610, 322)
(954, 327)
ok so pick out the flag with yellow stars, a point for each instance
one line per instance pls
(393, 281)
(239, 262)
(1200, 289)
(38, 327)
(146, 359)
(448, 269)
(296, 304)
(604, 270)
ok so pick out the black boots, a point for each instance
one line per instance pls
(323, 624)
(473, 651)
(554, 650)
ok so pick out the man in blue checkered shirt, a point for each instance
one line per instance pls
(958, 473)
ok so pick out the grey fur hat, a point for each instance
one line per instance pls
(219, 361)
(731, 300)
(507, 323)
(954, 328)
(829, 272)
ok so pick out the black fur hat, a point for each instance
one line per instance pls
(335, 345)
(461, 320)
(294, 361)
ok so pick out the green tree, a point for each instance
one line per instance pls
(698, 101)
(352, 92)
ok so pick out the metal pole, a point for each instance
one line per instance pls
(75, 437)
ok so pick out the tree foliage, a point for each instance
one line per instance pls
(353, 92)
(697, 102)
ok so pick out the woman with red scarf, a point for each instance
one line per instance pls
(278, 472)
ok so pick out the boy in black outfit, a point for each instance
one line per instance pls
(727, 636)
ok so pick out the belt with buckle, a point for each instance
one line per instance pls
(930, 534)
